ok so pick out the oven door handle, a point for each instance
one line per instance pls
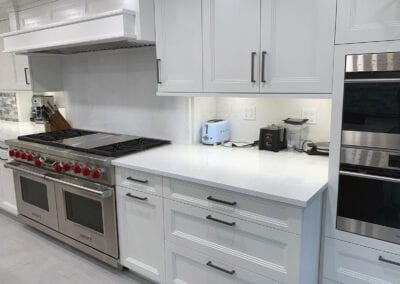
(367, 176)
(100, 193)
(19, 168)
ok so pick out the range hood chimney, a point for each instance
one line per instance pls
(110, 30)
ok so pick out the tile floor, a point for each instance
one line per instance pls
(30, 257)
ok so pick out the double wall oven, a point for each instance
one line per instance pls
(369, 182)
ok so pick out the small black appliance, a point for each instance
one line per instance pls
(272, 138)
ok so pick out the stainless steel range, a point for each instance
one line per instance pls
(65, 185)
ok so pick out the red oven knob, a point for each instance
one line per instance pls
(17, 154)
(29, 157)
(23, 156)
(11, 153)
(38, 163)
(86, 171)
(66, 167)
(77, 169)
(58, 168)
(96, 173)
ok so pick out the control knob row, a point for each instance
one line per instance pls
(21, 155)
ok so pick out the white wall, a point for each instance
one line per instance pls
(268, 111)
(115, 91)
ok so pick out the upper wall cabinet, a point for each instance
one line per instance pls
(231, 45)
(179, 45)
(249, 47)
(367, 20)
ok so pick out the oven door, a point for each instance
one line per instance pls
(369, 205)
(35, 195)
(371, 113)
(86, 213)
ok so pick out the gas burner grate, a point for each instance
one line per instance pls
(128, 147)
(49, 138)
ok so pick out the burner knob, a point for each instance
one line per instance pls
(77, 169)
(86, 171)
(66, 167)
(11, 153)
(96, 173)
(58, 168)
(23, 156)
(38, 162)
(29, 157)
(17, 154)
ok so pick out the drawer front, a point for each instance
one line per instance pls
(348, 263)
(189, 266)
(270, 252)
(141, 181)
(265, 212)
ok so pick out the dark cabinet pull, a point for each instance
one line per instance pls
(158, 71)
(230, 272)
(137, 180)
(136, 197)
(26, 76)
(2, 148)
(222, 201)
(264, 53)
(381, 258)
(1, 159)
(209, 217)
(253, 55)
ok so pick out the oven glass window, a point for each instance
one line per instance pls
(84, 211)
(372, 107)
(34, 193)
(369, 200)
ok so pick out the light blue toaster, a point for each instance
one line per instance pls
(215, 131)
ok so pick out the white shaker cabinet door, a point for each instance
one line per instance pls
(7, 192)
(141, 233)
(297, 45)
(367, 20)
(179, 45)
(231, 31)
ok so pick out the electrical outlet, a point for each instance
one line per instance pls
(310, 114)
(249, 113)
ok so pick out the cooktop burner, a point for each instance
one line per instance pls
(99, 143)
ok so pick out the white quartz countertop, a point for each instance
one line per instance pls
(287, 176)
(11, 130)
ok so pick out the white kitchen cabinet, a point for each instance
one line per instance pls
(141, 233)
(367, 20)
(231, 44)
(7, 192)
(179, 45)
(349, 263)
(297, 46)
(186, 265)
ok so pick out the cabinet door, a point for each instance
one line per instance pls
(179, 45)
(7, 191)
(141, 233)
(367, 20)
(297, 45)
(22, 71)
(231, 44)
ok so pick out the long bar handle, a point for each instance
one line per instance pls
(367, 176)
(26, 76)
(221, 201)
(136, 197)
(253, 56)
(230, 272)
(264, 53)
(3, 148)
(209, 217)
(158, 71)
(144, 181)
(15, 167)
(381, 258)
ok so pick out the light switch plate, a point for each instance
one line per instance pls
(310, 114)
(249, 113)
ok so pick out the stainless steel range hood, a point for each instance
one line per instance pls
(110, 30)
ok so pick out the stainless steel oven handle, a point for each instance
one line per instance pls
(359, 175)
(100, 193)
(373, 80)
(16, 167)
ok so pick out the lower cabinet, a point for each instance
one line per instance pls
(141, 233)
(7, 192)
(353, 264)
(186, 265)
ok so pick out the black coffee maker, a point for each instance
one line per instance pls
(272, 138)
